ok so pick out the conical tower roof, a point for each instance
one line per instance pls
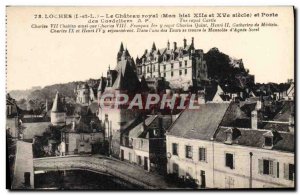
(153, 47)
(121, 47)
(57, 104)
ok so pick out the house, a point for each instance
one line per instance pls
(144, 144)
(84, 135)
(189, 143)
(215, 151)
(290, 93)
(253, 158)
(12, 109)
(284, 119)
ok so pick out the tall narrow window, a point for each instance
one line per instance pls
(268, 167)
(175, 149)
(202, 154)
(268, 141)
(229, 160)
(289, 171)
(188, 152)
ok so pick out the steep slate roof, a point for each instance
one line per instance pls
(254, 138)
(127, 78)
(83, 116)
(282, 116)
(57, 104)
(200, 123)
(138, 130)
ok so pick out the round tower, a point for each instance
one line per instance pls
(58, 114)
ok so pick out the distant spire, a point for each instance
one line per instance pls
(121, 47)
(184, 42)
(168, 45)
(153, 46)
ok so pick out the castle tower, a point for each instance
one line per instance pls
(184, 43)
(58, 114)
(153, 47)
(83, 94)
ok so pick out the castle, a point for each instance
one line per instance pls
(154, 72)
(182, 66)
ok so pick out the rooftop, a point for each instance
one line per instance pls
(200, 123)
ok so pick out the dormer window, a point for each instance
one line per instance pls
(231, 135)
(268, 140)
(228, 139)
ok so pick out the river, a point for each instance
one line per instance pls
(80, 180)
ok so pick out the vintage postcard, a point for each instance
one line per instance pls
(150, 98)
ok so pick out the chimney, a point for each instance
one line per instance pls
(258, 105)
(175, 45)
(184, 42)
(192, 41)
(254, 119)
(73, 125)
(168, 45)
(291, 124)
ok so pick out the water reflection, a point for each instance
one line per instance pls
(80, 180)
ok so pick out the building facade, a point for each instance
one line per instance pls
(84, 94)
(218, 156)
(182, 66)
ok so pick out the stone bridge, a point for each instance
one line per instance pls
(104, 165)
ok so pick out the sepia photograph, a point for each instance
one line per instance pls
(150, 98)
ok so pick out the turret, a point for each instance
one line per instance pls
(153, 47)
(175, 45)
(121, 50)
(58, 114)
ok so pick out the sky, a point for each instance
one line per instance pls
(36, 57)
